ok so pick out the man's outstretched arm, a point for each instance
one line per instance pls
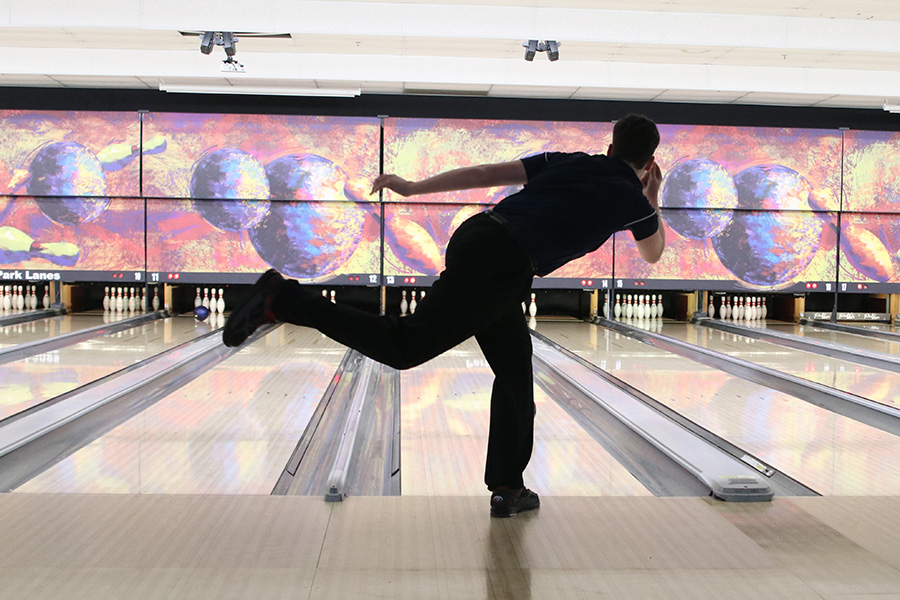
(481, 176)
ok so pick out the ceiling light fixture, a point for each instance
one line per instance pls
(257, 90)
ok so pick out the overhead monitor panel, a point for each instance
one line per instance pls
(313, 242)
(872, 171)
(259, 157)
(108, 247)
(84, 157)
(869, 245)
(418, 148)
(755, 250)
(746, 168)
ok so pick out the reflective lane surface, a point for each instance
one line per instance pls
(230, 431)
(838, 337)
(832, 454)
(445, 414)
(868, 382)
(32, 380)
(34, 331)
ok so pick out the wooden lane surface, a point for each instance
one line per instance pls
(230, 431)
(32, 380)
(263, 547)
(23, 333)
(838, 337)
(862, 380)
(832, 454)
(444, 426)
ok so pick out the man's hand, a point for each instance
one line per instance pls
(392, 182)
(651, 180)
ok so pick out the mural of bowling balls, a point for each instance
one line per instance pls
(308, 240)
(771, 247)
(230, 189)
(306, 177)
(695, 185)
(68, 183)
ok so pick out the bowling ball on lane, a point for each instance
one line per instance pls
(68, 183)
(230, 189)
(201, 313)
(308, 240)
(306, 177)
(771, 247)
(706, 192)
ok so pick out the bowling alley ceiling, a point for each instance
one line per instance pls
(778, 52)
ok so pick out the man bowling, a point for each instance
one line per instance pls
(571, 203)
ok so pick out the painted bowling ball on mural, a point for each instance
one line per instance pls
(774, 241)
(68, 183)
(306, 177)
(230, 189)
(308, 240)
(706, 192)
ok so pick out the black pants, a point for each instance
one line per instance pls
(487, 275)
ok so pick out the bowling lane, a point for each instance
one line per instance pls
(230, 431)
(871, 344)
(445, 414)
(34, 331)
(34, 379)
(868, 382)
(832, 454)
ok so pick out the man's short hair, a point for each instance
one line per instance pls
(635, 138)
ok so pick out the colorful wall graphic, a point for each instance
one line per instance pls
(232, 195)
(418, 148)
(65, 180)
(745, 205)
(871, 171)
(256, 191)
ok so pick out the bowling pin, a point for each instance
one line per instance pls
(765, 310)
(421, 296)
(606, 306)
(20, 299)
(197, 300)
(413, 304)
(220, 305)
(106, 299)
(332, 295)
(404, 303)
(155, 302)
(640, 307)
(2, 298)
(532, 308)
(711, 309)
(34, 298)
(46, 299)
(617, 309)
(205, 301)
(132, 303)
(325, 294)
(659, 307)
(120, 301)
(629, 307)
(7, 298)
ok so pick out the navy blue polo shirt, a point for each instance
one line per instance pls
(572, 203)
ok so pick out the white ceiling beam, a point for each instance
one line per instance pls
(292, 67)
(461, 22)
